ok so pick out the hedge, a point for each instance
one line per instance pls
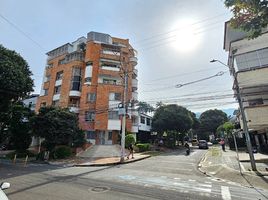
(143, 147)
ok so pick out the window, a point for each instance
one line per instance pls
(76, 80)
(252, 59)
(142, 120)
(59, 75)
(45, 92)
(49, 65)
(148, 121)
(55, 103)
(89, 116)
(43, 104)
(109, 81)
(110, 135)
(113, 115)
(62, 61)
(91, 97)
(115, 96)
(74, 102)
(91, 135)
(57, 89)
(255, 102)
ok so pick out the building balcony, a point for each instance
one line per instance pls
(133, 60)
(58, 82)
(257, 117)
(74, 93)
(74, 108)
(135, 72)
(114, 124)
(114, 104)
(135, 128)
(134, 83)
(252, 78)
(56, 97)
(135, 96)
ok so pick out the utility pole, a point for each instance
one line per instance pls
(123, 135)
(243, 115)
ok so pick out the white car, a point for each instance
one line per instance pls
(4, 186)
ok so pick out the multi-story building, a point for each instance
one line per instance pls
(141, 127)
(87, 76)
(248, 61)
(30, 102)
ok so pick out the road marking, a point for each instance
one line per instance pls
(242, 167)
(191, 180)
(225, 193)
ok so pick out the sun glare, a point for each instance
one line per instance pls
(186, 36)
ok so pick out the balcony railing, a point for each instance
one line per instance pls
(134, 60)
(135, 83)
(257, 117)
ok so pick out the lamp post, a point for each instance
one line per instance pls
(243, 115)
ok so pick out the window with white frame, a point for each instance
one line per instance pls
(113, 115)
(91, 97)
(57, 89)
(115, 96)
(89, 116)
(59, 75)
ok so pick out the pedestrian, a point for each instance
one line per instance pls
(131, 151)
(222, 143)
(187, 146)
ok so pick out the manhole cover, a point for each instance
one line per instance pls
(100, 189)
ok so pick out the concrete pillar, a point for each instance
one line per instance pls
(257, 141)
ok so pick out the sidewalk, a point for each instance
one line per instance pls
(111, 161)
(224, 165)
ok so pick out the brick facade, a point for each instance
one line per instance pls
(106, 62)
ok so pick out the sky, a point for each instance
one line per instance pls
(175, 40)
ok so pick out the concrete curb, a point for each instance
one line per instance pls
(224, 167)
(110, 164)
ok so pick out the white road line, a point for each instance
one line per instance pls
(225, 193)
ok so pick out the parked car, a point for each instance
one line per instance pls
(202, 144)
(194, 142)
(4, 186)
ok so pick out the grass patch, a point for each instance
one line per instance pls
(215, 151)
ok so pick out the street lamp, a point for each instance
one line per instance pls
(242, 111)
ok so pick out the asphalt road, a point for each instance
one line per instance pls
(168, 176)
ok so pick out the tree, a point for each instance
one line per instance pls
(210, 120)
(250, 16)
(174, 120)
(58, 126)
(228, 128)
(15, 83)
(145, 107)
(19, 127)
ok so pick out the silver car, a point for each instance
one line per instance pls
(202, 144)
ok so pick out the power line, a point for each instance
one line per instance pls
(21, 31)
(164, 33)
(188, 83)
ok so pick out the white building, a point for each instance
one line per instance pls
(248, 61)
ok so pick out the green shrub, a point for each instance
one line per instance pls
(143, 147)
(62, 152)
(129, 140)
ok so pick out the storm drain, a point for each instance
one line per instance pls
(99, 189)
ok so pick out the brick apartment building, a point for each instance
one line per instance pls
(87, 76)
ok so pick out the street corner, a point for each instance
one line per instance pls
(111, 161)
